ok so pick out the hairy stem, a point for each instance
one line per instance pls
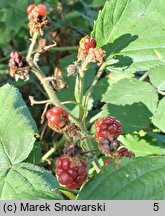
(81, 76)
(89, 91)
(53, 149)
(33, 42)
(81, 86)
(48, 154)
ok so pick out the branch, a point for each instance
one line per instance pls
(51, 94)
(32, 101)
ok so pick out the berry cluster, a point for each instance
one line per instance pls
(57, 117)
(39, 9)
(87, 42)
(71, 171)
(107, 126)
(37, 18)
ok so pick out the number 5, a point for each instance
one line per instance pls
(156, 207)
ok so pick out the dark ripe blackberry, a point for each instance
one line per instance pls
(108, 145)
(71, 149)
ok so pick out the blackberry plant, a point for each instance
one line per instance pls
(102, 120)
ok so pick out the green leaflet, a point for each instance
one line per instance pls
(140, 178)
(26, 181)
(132, 33)
(17, 136)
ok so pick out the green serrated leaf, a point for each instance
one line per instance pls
(130, 91)
(157, 75)
(143, 146)
(30, 195)
(17, 127)
(159, 116)
(132, 32)
(140, 178)
(115, 76)
(35, 155)
(25, 180)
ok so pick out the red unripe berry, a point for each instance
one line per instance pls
(87, 42)
(54, 120)
(90, 43)
(30, 8)
(41, 10)
(72, 186)
(107, 126)
(56, 116)
(71, 171)
(124, 152)
(65, 178)
(57, 110)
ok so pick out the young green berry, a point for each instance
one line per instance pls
(30, 8)
(71, 171)
(107, 126)
(87, 42)
(41, 10)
